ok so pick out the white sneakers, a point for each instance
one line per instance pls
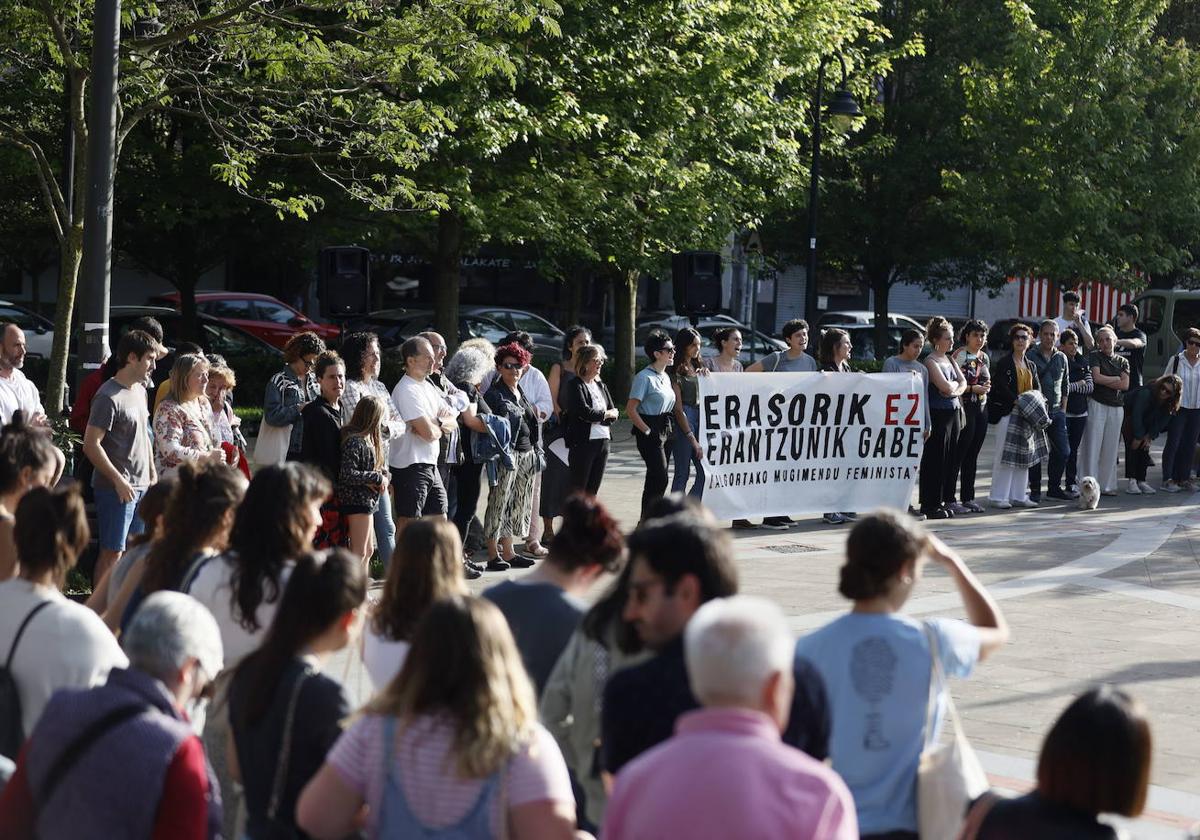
(1170, 487)
(1146, 488)
(1133, 489)
(1139, 488)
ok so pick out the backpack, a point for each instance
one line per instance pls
(12, 728)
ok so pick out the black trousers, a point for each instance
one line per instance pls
(466, 483)
(966, 455)
(655, 451)
(588, 461)
(936, 487)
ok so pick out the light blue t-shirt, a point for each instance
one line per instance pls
(876, 672)
(654, 390)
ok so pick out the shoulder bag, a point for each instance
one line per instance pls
(281, 830)
(949, 776)
(271, 447)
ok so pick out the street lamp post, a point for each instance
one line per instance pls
(843, 106)
(101, 171)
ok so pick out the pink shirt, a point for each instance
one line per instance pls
(440, 797)
(724, 774)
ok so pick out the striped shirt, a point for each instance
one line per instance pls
(424, 767)
(1190, 374)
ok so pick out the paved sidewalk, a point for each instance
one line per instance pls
(1110, 596)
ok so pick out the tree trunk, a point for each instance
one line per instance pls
(68, 280)
(625, 286)
(186, 286)
(881, 285)
(446, 272)
(575, 283)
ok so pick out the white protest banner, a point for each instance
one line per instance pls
(783, 443)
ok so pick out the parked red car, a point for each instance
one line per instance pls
(270, 319)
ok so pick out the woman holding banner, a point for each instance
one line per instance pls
(835, 358)
(946, 386)
(685, 379)
(651, 402)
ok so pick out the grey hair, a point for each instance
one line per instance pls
(481, 344)
(168, 629)
(732, 646)
(468, 365)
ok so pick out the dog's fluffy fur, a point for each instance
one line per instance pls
(1089, 493)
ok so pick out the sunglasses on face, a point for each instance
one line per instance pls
(667, 349)
(511, 365)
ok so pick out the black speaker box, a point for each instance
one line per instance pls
(696, 277)
(344, 282)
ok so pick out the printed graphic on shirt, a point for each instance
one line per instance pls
(873, 672)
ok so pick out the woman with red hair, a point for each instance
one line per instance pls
(510, 502)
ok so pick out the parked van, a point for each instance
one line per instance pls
(1163, 315)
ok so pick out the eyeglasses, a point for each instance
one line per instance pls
(668, 349)
(511, 365)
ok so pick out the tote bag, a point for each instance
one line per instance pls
(949, 776)
(272, 444)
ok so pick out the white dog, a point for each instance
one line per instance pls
(1089, 493)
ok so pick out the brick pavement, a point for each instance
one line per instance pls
(1108, 596)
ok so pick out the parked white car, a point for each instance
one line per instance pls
(863, 316)
(39, 331)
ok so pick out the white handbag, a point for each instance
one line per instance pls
(949, 775)
(272, 445)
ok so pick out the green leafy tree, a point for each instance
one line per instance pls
(336, 84)
(685, 123)
(1091, 118)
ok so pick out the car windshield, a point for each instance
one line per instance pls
(229, 343)
(273, 312)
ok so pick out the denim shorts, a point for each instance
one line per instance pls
(116, 520)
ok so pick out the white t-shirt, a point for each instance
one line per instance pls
(382, 657)
(66, 645)
(213, 587)
(599, 431)
(413, 399)
(17, 392)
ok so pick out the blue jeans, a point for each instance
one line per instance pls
(1060, 446)
(684, 456)
(1180, 451)
(385, 530)
(116, 520)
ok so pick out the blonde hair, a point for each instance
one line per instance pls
(225, 372)
(586, 355)
(1107, 329)
(367, 422)
(185, 363)
(464, 665)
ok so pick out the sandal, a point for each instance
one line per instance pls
(535, 549)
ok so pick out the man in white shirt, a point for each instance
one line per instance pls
(16, 391)
(1074, 318)
(413, 458)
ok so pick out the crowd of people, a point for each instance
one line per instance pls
(189, 697)
(1071, 398)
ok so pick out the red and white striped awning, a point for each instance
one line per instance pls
(1040, 298)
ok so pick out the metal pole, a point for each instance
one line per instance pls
(814, 179)
(101, 163)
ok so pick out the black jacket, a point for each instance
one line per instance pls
(1004, 393)
(321, 441)
(522, 417)
(579, 412)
